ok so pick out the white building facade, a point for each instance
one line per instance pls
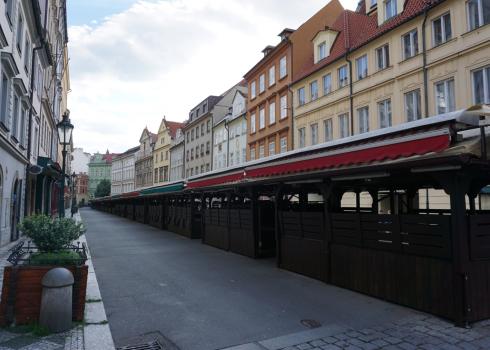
(122, 172)
(177, 157)
(80, 160)
(230, 134)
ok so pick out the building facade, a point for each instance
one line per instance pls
(270, 122)
(99, 168)
(394, 65)
(198, 137)
(28, 150)
(80, 160)
(161, 152)
(81, 189)
(229, 147)
(122, 171)
(144, 160)
(177, 156)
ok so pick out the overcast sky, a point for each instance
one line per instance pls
(134, 61)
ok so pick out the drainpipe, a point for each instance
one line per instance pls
(351, 93)
(424, 66)
(292, 117)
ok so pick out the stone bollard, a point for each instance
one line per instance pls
(57, 302)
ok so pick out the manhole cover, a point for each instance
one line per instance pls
(311, 324)
(154, 345)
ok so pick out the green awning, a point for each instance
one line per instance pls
(163, 189)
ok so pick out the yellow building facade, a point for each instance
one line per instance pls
(393, 90)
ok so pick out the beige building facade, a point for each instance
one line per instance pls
(161, 152)
(419, 67)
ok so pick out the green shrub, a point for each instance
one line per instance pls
(51, 235)
(61, 258)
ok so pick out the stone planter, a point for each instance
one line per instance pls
(22, 290)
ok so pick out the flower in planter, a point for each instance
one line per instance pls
(52, 238)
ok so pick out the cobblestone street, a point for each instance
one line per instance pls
(14, 339)
(417, 332)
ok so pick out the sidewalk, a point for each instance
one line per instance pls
(93, 334)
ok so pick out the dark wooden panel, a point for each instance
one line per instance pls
(422, 283)
(304, 256)
(479, 290)
(479, 236)
(426, 235)
(346, 228)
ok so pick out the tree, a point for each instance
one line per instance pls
(103, 189)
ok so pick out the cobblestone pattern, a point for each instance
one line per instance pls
(418, 332)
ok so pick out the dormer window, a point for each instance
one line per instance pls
(390, 9)
(322, 51)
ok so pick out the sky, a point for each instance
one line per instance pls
(132, 62)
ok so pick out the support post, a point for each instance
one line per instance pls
(277, 204)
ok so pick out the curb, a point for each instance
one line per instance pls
(96, 332)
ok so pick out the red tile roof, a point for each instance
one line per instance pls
(357, 29)
(109, 156)
(173, 127)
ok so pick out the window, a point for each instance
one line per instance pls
(327, 84)
(272, 148)
(481, 85)
(197, 152)
(343, 76)
(383, 57)
(15, 117)
(202, 149)
(362, 67)
(313, 90)
(253, 92)
(390, 9)
(252, 123)
(4, 100)
(23, 118)
(208, 147)
(27, 55)
(322, 51)
(441, 29)
(202, 129)
(187, 155)
(384, 112)
(478, 13)
(272, 75)
(192, 135)
(284, 106)
(363, 119)
(192, 154)
(410, 44)
(301, 137)
(327, 125)
(20, 33)
(272, 112)
(283, 69)
(261, 83)
(8, 9)
(261, 151)
(301, 96)
(208, 126)
(192, 171)
(188, 136)
(156, 175)
(445, 96)
(284, 144)
(197, 132)
(160, 177)
(252, 153)
(202, 168)
(314, 133)
(344, 125)
(412, 105)
(261, 118)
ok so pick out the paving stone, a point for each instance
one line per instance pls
(330, 340)
(341, 336)
(406, 346)
(352, 347)
(468, 346)
(356, 342)
(369, 337)
(342, 343)
(380, 342)
(392, 340)
(318, 342)
(353, 334)
(304, 347)
(330, 347)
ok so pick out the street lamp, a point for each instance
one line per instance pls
(65, 129)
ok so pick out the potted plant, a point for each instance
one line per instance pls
(51, 245)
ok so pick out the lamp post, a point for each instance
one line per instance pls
(65, 129)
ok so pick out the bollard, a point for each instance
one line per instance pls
(56, 302)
